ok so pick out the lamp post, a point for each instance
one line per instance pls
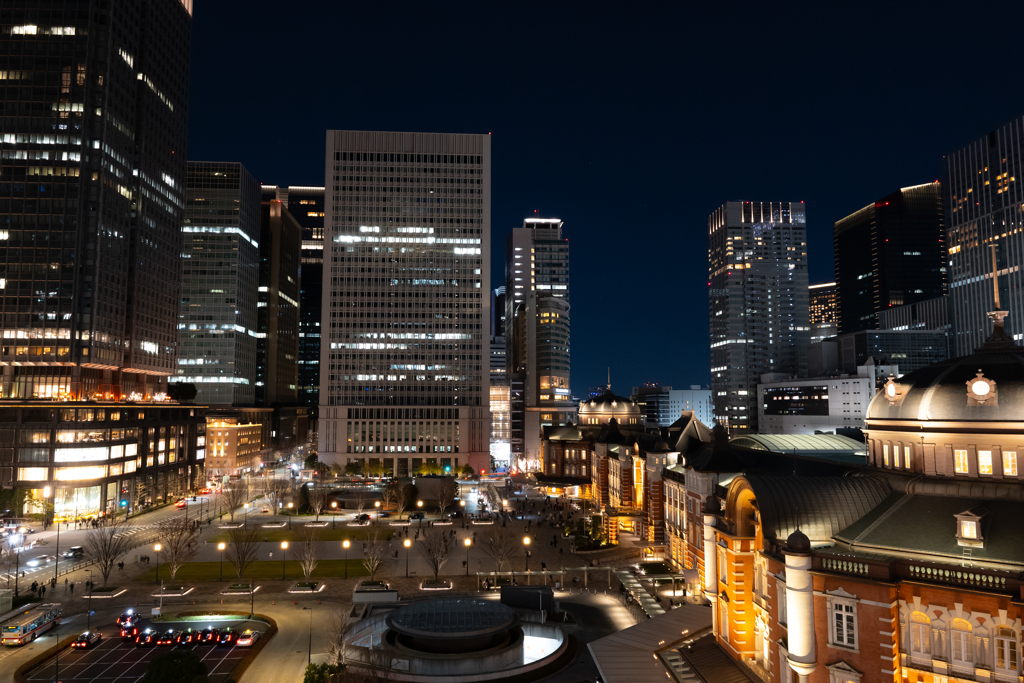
(376, 504)
(158, 548)
(246, 522)
(345, 544)
(309, 655)
(334, 514)
(468, 542)
(462, 504)
(220, 547)
(88, 611)
(526, 542)
(284, 556)
(419, 505)
(407, 543)
(56, 550)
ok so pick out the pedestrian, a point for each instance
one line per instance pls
(72, 588)
(65, 585)
(44, 591)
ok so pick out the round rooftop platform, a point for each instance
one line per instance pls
(452, 618)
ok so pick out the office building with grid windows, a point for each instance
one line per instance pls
(406, 307)
(758, 302)
(985, 202)
(218, 324)
(824, 310)
(890, 253)
(537, 332)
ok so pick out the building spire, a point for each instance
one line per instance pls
(609, 378)
(998, 340)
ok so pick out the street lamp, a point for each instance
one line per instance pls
(220, 547)
(407, 543)
(309, 655)
(468, 542)
(334, 514)
(419, 504)
(56, 550)
(376, 504)
(246, 523)
(462, 504)
(526, 542)
(289, 516)
(158, 548)
(345, 544)
(88, 611)
(284, 555)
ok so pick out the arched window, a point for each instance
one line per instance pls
(961, 644)
(1006, 650)
(920, 635)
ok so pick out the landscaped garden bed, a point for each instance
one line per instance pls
(107, 592)
(240, 589)
(307, 587)
(173, 591)
(431, 585)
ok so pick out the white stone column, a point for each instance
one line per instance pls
(800, 613)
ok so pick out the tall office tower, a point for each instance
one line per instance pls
(824, 308)
(220, 262)
(890, 253)
(277, 345)
(93, 125)
(405, 356)
(500, 389)
(984, 204)
(306, 205)
(757, 276)
(537, 328)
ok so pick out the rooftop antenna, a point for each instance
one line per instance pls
(995, 274)
(998, 339)
(609, 378)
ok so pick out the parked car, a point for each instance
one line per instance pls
(129, 632)
(87, 639)
(73, 552)
(129, 618)
(169, 637)
(188, 637)
(247, 637)
(228, 636)
(146, 638)
(417, 515)
(210, 635)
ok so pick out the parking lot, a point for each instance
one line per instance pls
(115, 661)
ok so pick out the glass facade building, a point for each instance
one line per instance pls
(824, 311)
(277, 344)
(407, 245)
(890, 253)
(218, 324)
(758, 302)
(984, 205)
(93, 116)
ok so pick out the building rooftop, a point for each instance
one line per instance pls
(822, 445)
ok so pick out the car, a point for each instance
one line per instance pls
(265, 508)
(363, 517)
(40, 561)
(129, 632)
(209, 635)
(129, 618)
(73, 552)
(180, 504)
(417, 515)
(146, 638)
(87, 639)
(247, 638)
(455, 514)
(169, 637)
(227, 637)
(188, 637)
(205, 490)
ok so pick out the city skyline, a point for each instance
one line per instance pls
(598, 170)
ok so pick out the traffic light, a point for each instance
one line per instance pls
(124, 503)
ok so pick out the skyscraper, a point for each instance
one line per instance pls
(405, 357)
(93, 124)
(890, 253)
(277, 344)
(500, 390)
(758, 302)
(823, 311)
(537, 329)
(220, 277)
(984, 206)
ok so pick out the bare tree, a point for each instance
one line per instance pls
(242, 547)
(390, 492)
(106, 545)
(179, 540)
(501, 545)
(446, 493)
(338, 628)
(140, 492)
(436, 548)
(375, 552)
(317, 492)
(235, 496)
(309, 552)
(360, 498)
(404, 498)
(276, 489)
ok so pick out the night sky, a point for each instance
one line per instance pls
(629, 121)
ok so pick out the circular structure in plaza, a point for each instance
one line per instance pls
(453, 625)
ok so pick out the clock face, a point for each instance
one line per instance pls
(980, 388)
(890, 390)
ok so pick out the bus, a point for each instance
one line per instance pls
(31, 624)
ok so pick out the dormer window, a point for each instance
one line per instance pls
(981, 391)
(968, 527)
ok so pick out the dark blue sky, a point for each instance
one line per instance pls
(631, 122)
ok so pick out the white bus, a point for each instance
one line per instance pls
(27, 626)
